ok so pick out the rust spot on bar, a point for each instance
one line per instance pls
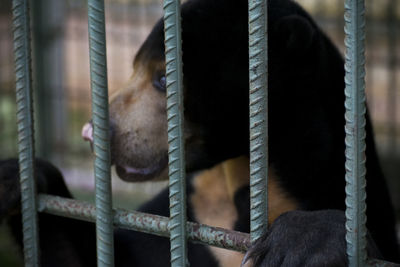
(147, 223)
(157, 225)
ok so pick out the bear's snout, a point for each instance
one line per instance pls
(87, 131)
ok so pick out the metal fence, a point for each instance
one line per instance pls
(177, 227)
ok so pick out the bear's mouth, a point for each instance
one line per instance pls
(137, 174)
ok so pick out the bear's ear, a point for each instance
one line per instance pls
(294, 33)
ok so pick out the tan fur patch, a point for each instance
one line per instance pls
(236, 173)
(138, 112)
(213, 206)
(212, 200)
(278, 200)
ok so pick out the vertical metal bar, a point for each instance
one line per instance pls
(26, 153)
(177, 187)
(98, 75)
(355, 132)
(258, 70)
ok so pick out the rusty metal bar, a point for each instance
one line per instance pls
(99, 85)
(355, 132)
(380, 263)
(156, 225)
(258, 71)
(177, 180)
(26, 153)
(147, 223)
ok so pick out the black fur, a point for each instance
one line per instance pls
(306, 105)
(306, 129)
(71, 243)
(63, 241)
(314, 238)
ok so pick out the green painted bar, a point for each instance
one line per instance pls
(156, 225)
(177, 187)
(26, 153)
(98, 75)
(147, 223)
(355, 132)
(258, 73)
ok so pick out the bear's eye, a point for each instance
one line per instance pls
(160, 81)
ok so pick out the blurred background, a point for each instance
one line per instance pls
(62, 91)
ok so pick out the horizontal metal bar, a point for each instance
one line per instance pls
(381, 263)
(157, 225)
(147, 223)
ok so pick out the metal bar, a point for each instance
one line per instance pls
(355, 132)
(147, 223)
(98, 75)
(380, 263)
(156, 225)
(26, 153)
(177, 184)
(258, 71)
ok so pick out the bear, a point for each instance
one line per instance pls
(306, 147)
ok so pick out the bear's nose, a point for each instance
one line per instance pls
(87, 132)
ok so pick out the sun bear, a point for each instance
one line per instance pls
(306, 147)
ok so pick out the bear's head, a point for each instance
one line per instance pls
(216, 91)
